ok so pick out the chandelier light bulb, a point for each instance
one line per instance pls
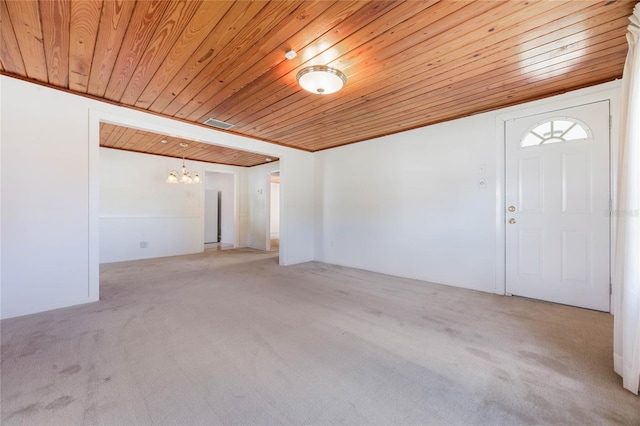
(173, 177)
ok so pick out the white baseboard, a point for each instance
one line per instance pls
(44, 308)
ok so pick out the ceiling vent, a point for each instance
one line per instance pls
(218, 124)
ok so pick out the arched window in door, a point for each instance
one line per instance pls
(556, 130)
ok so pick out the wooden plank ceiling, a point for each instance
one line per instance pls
(408, 64)
(128, 139)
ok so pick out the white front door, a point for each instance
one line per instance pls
(557, 206)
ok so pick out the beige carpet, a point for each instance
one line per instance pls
(230, 337)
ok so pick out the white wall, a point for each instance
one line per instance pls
(407, 204)
(274, 227)
(45, 200)
(297, 230)
(1, 134)
(224, 182)
(50, 178)
(411, 204)
(138, 206)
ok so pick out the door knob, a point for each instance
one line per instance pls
(512, 221)
(512, 209)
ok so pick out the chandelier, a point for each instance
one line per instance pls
(184, 176)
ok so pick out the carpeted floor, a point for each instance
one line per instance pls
(230, 337)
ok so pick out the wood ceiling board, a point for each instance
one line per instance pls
(105, 132)
(125, 138)
(282, 83)
(505, 92)
(464, 108)
(150, 142)
(114, 136)
(230, 96)
(269, 54)
(224, 32)
(228, 62)
(389, 74)
(273, 96)
(55, 22)
(83, 30)
(194, 34)
(113, 27)
(25, 18)
(445, 70)
(10, 56)
(408, 64)
(445, 73)
(146, 17)
(319, 105)
(297, 111)
(468, 90)
(135, 140)
(360, 17)
(173, 24)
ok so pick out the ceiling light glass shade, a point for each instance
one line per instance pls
(185, 178)
(173, 177)
(321, 79)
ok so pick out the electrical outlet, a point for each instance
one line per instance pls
(482, 168)
(482, 183)
(144, 244)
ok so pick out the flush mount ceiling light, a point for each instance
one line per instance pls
(185, 176)
(321, 79)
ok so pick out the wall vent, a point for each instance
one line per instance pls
(218, 124)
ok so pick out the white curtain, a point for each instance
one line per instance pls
(626, 297)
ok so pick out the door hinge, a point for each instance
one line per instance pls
(610, 288)
(610, 121)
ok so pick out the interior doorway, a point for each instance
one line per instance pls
(274, 211)
(212, 216)
(557, 206)
(219, 210)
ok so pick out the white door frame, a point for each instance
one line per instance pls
(267, 206)
(610, 92)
